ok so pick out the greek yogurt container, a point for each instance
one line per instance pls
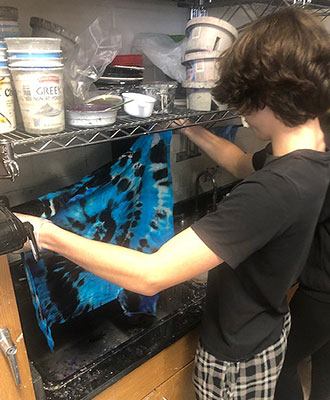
(7, 111)
(40, 96)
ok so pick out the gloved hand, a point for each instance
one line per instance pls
(37, 223)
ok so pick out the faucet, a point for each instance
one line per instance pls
(207, 174)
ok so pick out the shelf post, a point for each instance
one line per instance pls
(7, 159)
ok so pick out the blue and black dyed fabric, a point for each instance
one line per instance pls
(129, 203)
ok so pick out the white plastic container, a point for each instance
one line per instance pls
(199, 95)
(35, 62)
(90, 115)
(209, 34)
(35, 54)
(33, 43)
(201, 66)
(40, 96)
(7, 113)
(141, 106)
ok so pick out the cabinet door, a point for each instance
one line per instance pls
(9, 318)
(179, 386)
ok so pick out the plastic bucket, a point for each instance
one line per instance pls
(33, 43)
(198, 95)
(7, 115)
(209, 33)
(40, 96)
(201, 66)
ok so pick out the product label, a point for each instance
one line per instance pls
(7, 112)
(40, 96)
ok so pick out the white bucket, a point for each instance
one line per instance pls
(201, 66)
(199, 95)
(40, 96)
(33, 43)
(209, 33)
(7, 114)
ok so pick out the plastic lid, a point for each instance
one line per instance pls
(216, 22)
(128, 60)
(52, 27)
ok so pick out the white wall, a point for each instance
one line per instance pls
(128, 16)
(43, 173)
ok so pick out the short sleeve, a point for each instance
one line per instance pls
(259, 157)
(255, 212)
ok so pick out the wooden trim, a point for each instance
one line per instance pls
(9, 318)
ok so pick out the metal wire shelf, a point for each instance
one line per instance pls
(18, 144)
(254, 9)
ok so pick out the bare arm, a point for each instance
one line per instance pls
(181, 258)
(223, 152)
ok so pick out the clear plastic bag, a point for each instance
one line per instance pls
(96, 47)
(163, 52)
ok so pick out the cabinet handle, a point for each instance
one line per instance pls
(9, 350)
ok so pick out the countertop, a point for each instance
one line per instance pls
(94, 351)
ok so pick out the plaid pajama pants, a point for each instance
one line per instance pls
(253, 379)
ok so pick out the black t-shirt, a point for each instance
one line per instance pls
(315, 277)
(262, 231)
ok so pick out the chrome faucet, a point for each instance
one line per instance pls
(207, 174)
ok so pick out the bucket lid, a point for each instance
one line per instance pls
(35, 69)
(198, 85)
(36, 22)
(212, 21)
(199, 55)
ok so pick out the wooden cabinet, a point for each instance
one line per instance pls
(166, 376)
(9, 318)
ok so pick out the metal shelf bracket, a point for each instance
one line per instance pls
(7, 159)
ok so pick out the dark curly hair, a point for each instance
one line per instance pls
(281, 61)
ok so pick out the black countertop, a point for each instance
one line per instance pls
(95, 350)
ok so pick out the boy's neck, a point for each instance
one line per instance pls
(307, 136)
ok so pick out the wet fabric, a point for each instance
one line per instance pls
(129, 203)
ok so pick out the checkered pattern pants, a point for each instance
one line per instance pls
(253, 379)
